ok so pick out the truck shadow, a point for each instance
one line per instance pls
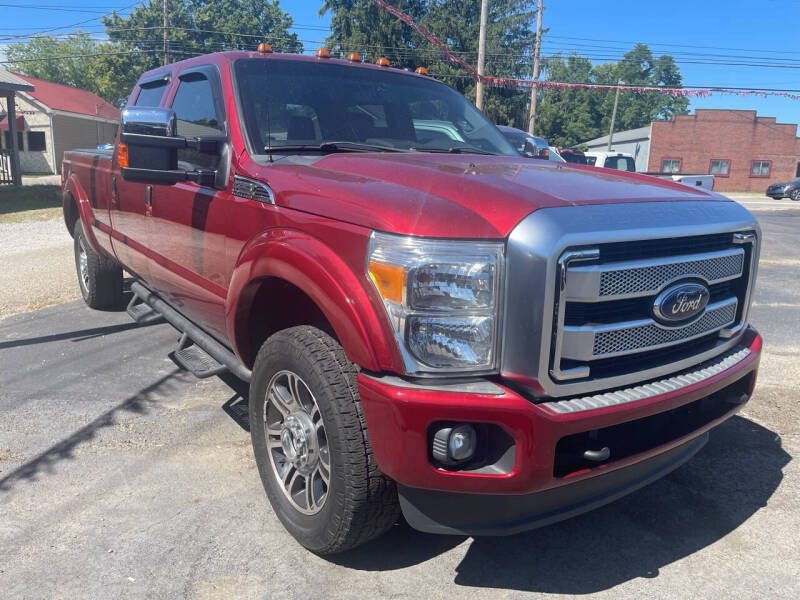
(693, 507)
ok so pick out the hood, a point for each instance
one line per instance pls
(455, 195)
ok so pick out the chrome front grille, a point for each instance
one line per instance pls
(627, 281)
(648, 336)
(621, 294)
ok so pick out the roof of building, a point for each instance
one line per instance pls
(69, 99)
(15, 83)
(640, 133)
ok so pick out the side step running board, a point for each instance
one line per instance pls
(206, 356)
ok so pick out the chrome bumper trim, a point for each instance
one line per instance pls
(648, 390)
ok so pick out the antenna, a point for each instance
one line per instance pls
(269, 135)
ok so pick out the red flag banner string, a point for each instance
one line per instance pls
(504, 82)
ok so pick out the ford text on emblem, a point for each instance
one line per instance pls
(680, 302)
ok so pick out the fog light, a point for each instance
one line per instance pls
(454, 444)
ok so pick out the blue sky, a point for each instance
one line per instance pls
(701, 31)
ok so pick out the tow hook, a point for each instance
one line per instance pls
(601, 455)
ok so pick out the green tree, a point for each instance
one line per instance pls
(361, 26)
(40, 58)
(570, 116)
(135, 42)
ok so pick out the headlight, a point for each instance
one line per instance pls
(441, 297)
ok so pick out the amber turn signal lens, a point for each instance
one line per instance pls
(421, 71)
(354, 57)
(122, 155)
(323, 53)
(388, 279)
(264, 48)
(382, 62)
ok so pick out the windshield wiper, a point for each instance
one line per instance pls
(342, 146)
(455, 150)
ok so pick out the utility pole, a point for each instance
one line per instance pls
(537, 49)
(164, 7)
(481, 54)
(614, 115)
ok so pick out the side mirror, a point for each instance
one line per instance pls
(151, 144)
(530, 149)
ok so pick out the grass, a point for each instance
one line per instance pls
(29, 203)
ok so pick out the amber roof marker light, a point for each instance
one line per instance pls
(421, 71)
(264, 48)
(354, 57)
(322, 53)
(382, 62)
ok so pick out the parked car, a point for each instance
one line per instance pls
(701, 181)
(572, 155)
(442, 328)
(785, 190)
(620, 161)
(526, 144)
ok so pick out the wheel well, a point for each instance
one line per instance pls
(269, 305)
(71, 214)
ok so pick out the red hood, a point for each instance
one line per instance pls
(458, 195)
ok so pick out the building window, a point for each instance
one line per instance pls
(760, 168)
(36, 141)
(719, 167)
(671, 165)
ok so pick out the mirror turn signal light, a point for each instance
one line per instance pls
(122, 155)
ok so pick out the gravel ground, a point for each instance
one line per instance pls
(121, 476)
(37, 267)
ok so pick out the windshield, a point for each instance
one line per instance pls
(297, 103)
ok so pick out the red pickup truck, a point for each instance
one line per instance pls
(429, 322)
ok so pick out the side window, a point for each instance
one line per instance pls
(196, 114)
(151, 93)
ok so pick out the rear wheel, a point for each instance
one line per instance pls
(311, 444)
(795, 195)
(99, 278)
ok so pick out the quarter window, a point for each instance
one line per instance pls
(719, 167)
(671, 165)
(760, 168)
(151, 93)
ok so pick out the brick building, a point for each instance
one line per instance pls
(745, 152)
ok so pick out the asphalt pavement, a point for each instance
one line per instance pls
(122, 476)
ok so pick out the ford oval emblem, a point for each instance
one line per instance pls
(680, 302)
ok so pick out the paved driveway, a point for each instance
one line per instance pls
(121, 476)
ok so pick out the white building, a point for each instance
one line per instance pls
(53, 118)
(633, 141)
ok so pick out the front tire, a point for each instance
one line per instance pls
(311, 445)
(795, 195)
(99, 278)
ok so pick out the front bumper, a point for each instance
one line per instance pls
(533, 492)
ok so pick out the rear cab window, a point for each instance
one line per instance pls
(620, 163)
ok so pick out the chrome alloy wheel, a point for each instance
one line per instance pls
(83, 265)
(296, 442)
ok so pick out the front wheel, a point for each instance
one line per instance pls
(795, 195)
(311, 444)
(99, 278)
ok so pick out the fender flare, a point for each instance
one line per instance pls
(74, 190)
(314, 268)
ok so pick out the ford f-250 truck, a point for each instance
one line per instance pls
(444, 328)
